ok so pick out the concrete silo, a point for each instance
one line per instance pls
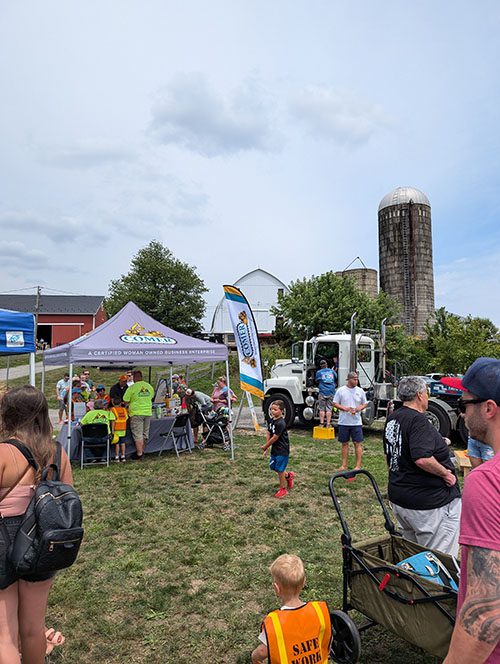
(405, 255)
(365, 278)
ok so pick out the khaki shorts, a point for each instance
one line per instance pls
(139, 426)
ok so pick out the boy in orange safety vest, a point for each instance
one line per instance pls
(300, 632)
(121, 417)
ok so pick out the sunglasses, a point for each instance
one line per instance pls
(463, 403)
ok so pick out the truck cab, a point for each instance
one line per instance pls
(293, 380)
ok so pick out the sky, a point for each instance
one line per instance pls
(244, 134)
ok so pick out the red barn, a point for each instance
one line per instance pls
(61, 318)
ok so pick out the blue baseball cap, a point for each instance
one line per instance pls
(482, 379)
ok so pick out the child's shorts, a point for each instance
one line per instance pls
(278, 463)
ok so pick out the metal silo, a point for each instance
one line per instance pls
(405, 255)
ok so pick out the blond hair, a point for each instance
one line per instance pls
(288, 572)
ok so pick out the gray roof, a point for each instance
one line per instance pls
(402, 195)
(53, 304)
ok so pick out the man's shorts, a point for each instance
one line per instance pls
(479, 450)
(139, 426)
(325, 402)
(354, 432)
(278, 463)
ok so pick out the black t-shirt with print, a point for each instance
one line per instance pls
(282, 446)
(408, 436)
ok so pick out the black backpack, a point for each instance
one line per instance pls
(51, 532)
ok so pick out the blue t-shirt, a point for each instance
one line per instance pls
(327, 379)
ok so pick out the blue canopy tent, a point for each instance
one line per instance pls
(17, 336)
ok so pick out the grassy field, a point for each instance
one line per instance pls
(174, 564)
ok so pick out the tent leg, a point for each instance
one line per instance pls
(32, 369)
(231, 439)
(171, 389)
(7, 374)
(70, 411)
(149, 375)
(42, 387)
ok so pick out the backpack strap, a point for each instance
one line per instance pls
(25, 451)
(31, 463)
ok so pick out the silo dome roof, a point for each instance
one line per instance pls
(402, 195)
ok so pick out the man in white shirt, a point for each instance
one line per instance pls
(350, 400)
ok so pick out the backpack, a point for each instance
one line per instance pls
(51, 532)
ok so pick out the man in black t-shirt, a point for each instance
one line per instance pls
(423, 487)
(118, 389)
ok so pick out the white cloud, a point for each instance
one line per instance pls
(87, 154)
(59, 228)
(338, 116)
(189, 113)
(17, 254)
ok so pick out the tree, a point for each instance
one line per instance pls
(165, 288)
(455, 342)
(327, 302)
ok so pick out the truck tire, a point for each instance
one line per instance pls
(288, 415)
(438, 418)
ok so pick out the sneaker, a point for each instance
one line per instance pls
(117, 459)
(281, 493)
(123, 459)
(289, 479)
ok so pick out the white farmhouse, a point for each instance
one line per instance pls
(261, 290)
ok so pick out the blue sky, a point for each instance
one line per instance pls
(245, 134)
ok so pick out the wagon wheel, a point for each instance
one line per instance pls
(346, 644)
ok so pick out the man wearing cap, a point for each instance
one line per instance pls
(350, 400)
(423, 488)
(327, 381)
(476, 637)
(117, 391)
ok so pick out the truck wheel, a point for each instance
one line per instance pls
(288, 415)
(439, 419)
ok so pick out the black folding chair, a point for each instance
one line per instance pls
(178, 432)
(96, 439)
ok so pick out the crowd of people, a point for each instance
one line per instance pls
(422, 488)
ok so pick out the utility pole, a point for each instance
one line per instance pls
(37, 309)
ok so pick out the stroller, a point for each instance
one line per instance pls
(215, 428)
(416, 609)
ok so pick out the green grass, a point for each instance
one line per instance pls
(174, 565)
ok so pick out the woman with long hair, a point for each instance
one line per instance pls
(24, 417)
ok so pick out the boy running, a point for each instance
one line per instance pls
(277, 440)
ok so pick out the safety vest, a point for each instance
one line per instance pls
(299, 636)
(121, 418)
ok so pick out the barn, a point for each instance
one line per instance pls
(61, 318)
(261, 288)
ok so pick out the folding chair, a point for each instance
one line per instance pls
(178, 432)
(95, 437)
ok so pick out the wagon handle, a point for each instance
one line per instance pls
(350, 475)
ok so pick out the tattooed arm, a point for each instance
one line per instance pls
(477, 630)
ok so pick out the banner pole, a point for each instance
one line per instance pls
(240, 408)
(231, 440)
